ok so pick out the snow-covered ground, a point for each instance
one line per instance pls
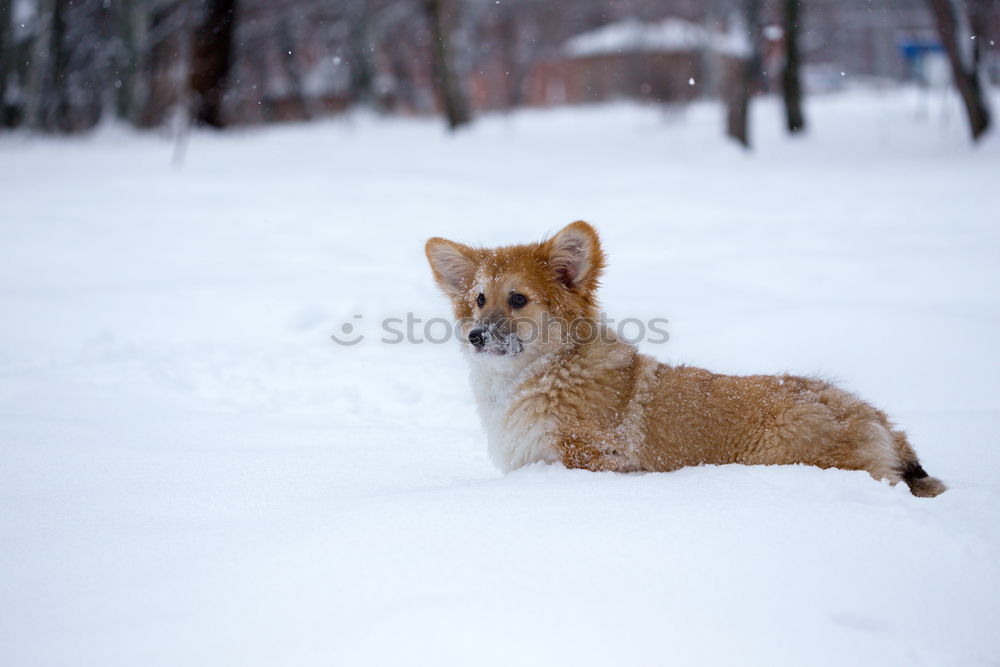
(192, 473)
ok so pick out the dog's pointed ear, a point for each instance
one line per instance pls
(576, 257)
(453, 264)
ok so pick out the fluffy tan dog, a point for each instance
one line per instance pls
(552, 384)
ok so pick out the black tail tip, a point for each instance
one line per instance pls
(913, 471)
(921, 484)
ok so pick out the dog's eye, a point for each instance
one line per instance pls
(481, 300)
(518, 300)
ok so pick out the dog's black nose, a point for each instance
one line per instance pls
(478, 337)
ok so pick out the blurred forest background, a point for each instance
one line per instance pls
(66, 65)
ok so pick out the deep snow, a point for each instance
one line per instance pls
(194, 474)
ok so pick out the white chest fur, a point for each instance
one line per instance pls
(517, 435)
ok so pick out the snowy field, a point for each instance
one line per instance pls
(193, 473)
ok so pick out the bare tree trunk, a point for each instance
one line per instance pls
(47, 105)
(455, 106)
(791, 83)
(6, 57)
(507, 37)
(743, 76)
(713, 76)
(738, 105)
(59, 115)
(956, 32)
(211, 61)
(133, 20)
(38, 66)
(162, 64)
(362, 64)
(182, 102)
(300, 106)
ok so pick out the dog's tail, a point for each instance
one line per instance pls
(910, 471)
(921, 484)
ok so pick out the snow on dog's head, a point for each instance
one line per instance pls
(522, 298)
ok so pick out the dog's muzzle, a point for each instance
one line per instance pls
(488, 339)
